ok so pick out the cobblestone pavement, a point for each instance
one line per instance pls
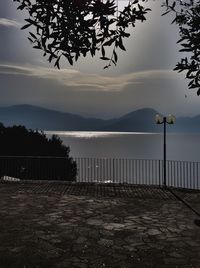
(64, 225)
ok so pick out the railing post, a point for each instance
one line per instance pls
(113, 170)
(164, 152)
(197, 176)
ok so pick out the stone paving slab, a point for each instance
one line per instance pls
(64, 225)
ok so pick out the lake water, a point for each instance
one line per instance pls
(184, 147)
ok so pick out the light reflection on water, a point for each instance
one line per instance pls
(94, 134)
(130, 145)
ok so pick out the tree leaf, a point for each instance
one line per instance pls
(25, 26)
(115, 56)
(102, 51)
(104, 58)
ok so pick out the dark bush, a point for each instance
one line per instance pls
(28, 154)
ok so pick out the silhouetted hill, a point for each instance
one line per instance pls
(40, 118)
(138, 121)
(142, 120)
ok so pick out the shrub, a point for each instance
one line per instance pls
(28, 154)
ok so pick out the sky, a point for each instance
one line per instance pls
(142, 78)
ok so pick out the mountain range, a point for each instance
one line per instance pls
(142, 120)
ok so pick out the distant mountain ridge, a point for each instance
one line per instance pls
(142, 120)
(45, 119)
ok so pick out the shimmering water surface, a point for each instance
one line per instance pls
(130, 145)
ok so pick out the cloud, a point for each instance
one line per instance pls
(103, 96)
(89, 82)
(9, 23)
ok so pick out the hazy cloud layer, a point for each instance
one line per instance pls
(86, 82)
(96, 95)
(9, 23)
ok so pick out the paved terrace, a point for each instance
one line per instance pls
(67, 225)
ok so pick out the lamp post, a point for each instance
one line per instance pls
(170, 119)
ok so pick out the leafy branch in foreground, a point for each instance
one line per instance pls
(187, 17)
(74, 28)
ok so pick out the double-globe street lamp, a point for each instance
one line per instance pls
(170, 119)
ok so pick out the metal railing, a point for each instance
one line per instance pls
(183, 174)
(179, 174)
(37, 168)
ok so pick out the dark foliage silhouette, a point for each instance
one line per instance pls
(74, 28)
(28, 154)
(187, 17)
